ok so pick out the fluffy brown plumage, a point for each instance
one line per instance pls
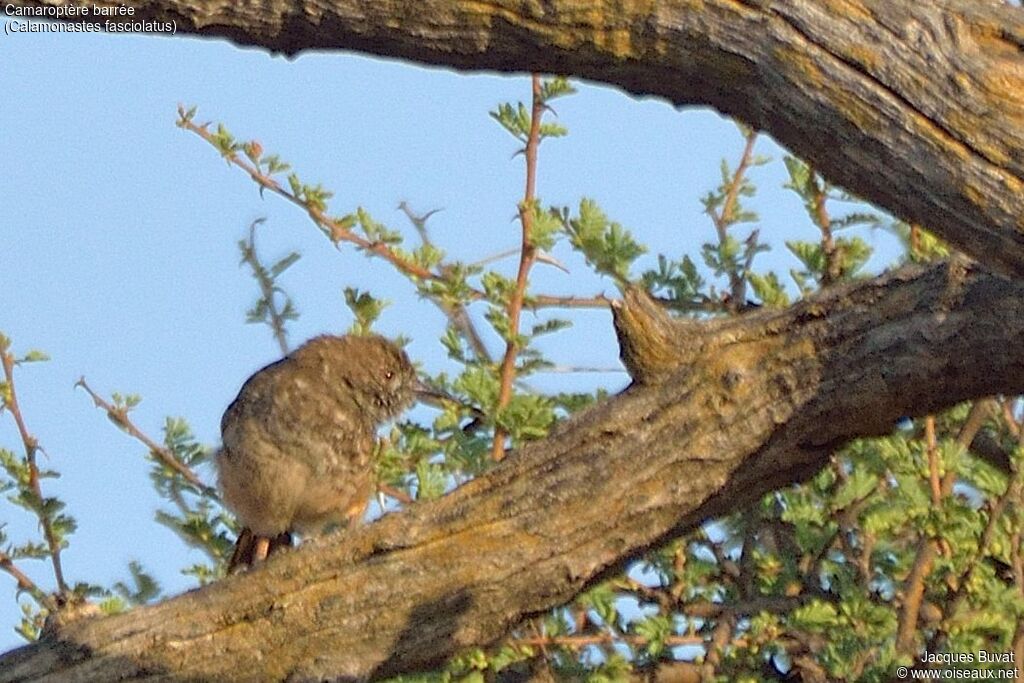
(298, 439)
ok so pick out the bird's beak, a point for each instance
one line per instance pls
(442, 399)
(425, 393)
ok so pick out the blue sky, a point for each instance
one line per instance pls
(118, 236)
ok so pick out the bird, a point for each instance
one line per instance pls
(298, 441)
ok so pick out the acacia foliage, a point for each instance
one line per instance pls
(903, 544)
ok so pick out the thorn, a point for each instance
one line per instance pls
(547, 258)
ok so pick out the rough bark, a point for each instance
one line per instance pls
(723, 413)
(916, 105)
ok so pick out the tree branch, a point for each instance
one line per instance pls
(914, 105)
(751, 403)
(527, 256)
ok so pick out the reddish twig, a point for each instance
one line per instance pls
(31, 445)
(398, 494)
(332, 228)
(828, 243)
(933, 460)
(924, 559)
(581, 641)
(340, 233)
(914, 237)
(457, 314)
(527, 256)
(726, 215)
(119, 416)
(546, 301)
(929, 548)
(26, 584)
(981, 410)
(1009, 418)
(721, 637)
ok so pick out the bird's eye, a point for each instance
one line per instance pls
(389, 374)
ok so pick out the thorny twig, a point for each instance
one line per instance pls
(31, 444)
(528, 252)
(267, 288)
(724, 218)
(119, 416)
(337, 232)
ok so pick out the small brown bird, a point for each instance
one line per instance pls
(298, 439)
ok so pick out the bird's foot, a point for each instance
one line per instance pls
(251, 549)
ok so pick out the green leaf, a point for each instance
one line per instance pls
(550, 326)
(558, 86)
(430, 480)
(815, 616)
(295, 185)
(553, 130)
(144, 588)
(678, 281)
(515, 120)
(284, 264)
(852, 253)
(374, 231)
(35, 356)
(365, 308)
(601, 599)
(274, 164)
(800, 176)
(656, 630)
(769, 290)
(546, 227)
(497, 288)
(607, 246)
(858, 485)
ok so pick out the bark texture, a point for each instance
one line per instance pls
(916, 105)
(721, 414)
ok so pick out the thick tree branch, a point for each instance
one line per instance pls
(915, 105)
(728, 410)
